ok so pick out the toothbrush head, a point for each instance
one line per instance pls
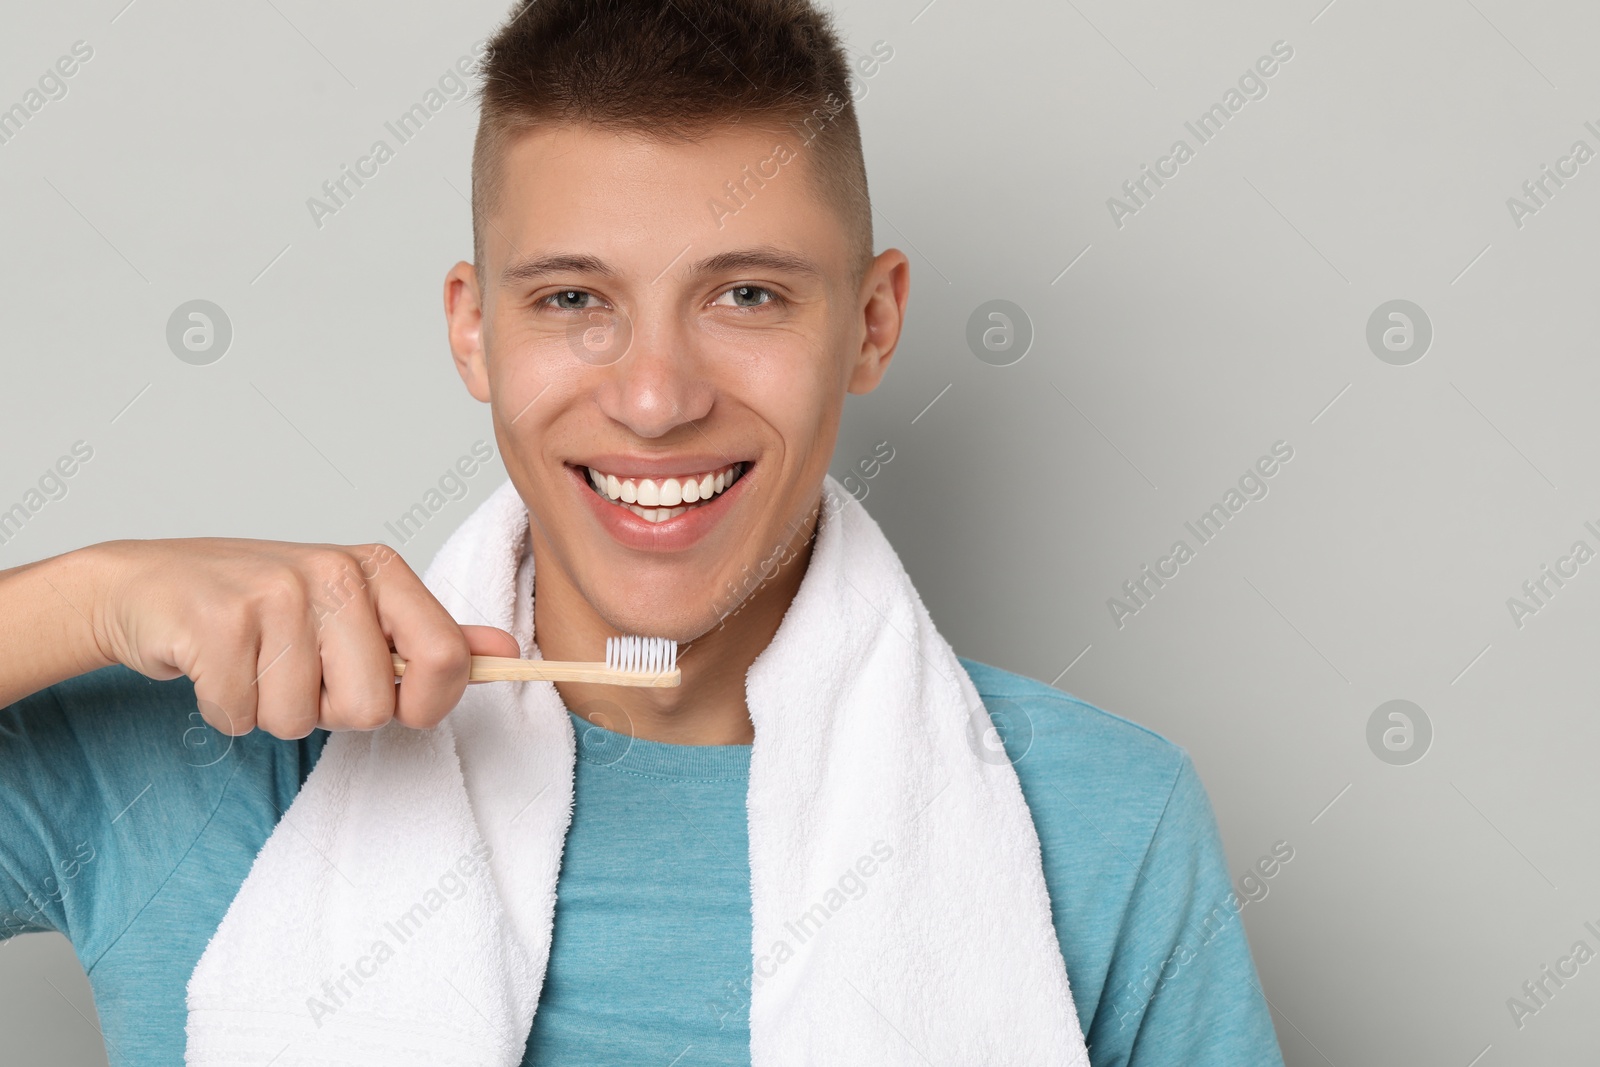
(644, 655)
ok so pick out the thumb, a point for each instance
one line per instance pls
(491, 641)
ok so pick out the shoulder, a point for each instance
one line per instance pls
(1059, 743)
(1109, 798)
(1137, 878)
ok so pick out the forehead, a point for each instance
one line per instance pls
(638, 201)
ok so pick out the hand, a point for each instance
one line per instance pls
(283, 636)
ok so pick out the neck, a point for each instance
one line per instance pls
(709, 707)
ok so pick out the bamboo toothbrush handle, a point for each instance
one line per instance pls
(501, 669)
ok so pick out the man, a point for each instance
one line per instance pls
(673, 289)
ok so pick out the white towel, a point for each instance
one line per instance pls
(401, 911)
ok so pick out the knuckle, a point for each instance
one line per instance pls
(337, 580)
(285, 717)
(227, 719)
(329, 561)
(368, 714)
(287, 728)
(373, 558)
(443, 658)
(285, 591)
(275, 727)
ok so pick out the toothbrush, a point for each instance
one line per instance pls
(649, 662)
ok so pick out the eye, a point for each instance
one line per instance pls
(747, 296)
(567, 300)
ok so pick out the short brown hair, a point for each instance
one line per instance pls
(674, 70)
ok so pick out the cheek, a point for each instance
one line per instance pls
(526, 406)
(801, 398)
(527, 366)
(518, 393)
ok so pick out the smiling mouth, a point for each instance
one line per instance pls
(661, 499)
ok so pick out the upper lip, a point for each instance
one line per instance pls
(635, 466)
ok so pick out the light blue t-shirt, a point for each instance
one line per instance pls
(128, 825)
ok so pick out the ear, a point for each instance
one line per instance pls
(463, 312)
(884, 290)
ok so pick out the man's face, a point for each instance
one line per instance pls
(667, 367)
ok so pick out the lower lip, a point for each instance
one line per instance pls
(674, 535)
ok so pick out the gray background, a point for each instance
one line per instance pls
(1169, 354)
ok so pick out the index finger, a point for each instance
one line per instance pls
(438, 657)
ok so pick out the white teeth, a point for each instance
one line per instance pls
(661, 499)
(656, 514)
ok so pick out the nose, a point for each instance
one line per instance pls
(659, 383)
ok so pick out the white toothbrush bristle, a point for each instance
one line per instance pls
(642, 655)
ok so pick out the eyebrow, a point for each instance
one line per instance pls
(763, 257)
